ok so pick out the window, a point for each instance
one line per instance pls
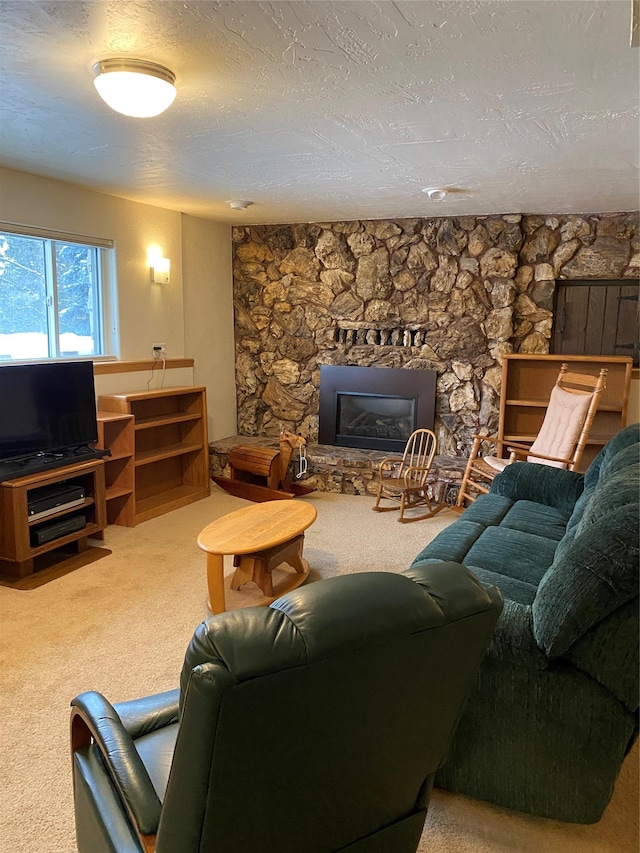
(53, 296)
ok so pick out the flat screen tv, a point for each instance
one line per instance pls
(46, 408)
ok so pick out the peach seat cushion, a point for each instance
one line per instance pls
(562, 425)
(560, 429)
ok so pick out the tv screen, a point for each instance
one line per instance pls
(46, 407)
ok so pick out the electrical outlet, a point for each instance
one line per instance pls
(159, 350)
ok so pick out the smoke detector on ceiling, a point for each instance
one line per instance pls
(238, 204)
(436, 193)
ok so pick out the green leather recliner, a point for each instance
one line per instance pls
(313, 725)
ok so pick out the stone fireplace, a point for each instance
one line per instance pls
(374, 408)
(447, 296)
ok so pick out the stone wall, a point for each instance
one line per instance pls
(451, 295)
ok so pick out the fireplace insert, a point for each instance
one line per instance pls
(375, 408)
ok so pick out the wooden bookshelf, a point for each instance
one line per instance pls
(116, 433)
(527, 381)
(170, 455)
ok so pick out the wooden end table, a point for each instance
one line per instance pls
(261, 537)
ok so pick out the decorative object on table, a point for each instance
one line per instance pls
(262, 473)
(316, 724)
(404, 481)
(560, 442)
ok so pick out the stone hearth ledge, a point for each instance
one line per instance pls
(345, 470)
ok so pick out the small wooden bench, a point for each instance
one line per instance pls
(261, 537)
(258, 567)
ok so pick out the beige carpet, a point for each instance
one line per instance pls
(121, 625)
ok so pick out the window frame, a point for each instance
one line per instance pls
(104, 291)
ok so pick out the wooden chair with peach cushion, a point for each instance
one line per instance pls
(560, 442)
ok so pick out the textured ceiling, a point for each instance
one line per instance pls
(333, 110)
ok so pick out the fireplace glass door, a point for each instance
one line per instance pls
(374, 408)
(364, 419)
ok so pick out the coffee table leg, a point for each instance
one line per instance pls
(243, 573)
(295, 560)
(215, 582)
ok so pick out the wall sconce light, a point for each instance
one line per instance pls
(160, 269)
(135, 87)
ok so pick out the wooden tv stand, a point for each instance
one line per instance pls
(19, 555)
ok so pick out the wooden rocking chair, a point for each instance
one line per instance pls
(561, 441)
(406, 487)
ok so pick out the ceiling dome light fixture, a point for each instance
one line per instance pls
(238, 204)
(436, 193)
(135, 87)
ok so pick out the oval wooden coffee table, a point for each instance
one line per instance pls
(261, 537)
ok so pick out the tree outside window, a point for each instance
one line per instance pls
(50, 298)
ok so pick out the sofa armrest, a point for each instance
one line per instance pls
(609, 653)
(596, 574)
(513, 640)
(94, 718)
(543, 484)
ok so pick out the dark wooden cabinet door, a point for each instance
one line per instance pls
(597, 318)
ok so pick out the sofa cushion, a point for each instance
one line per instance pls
(523, 556)
(578, 509)
(597, 571)
(624, 438)
(619, 454)
(512, 589)
(610, 653)
(538, 519)
(488, 510)
(550, 486)
(452, 543)
(619, 487)
(601, 467)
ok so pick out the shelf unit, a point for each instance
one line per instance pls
(527, 381)
(171, 453)
(116, 433)
(18, 557)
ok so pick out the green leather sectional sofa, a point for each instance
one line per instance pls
(555, 707)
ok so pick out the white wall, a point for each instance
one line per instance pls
(186, 318)
(146, 311)
(208, 292)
